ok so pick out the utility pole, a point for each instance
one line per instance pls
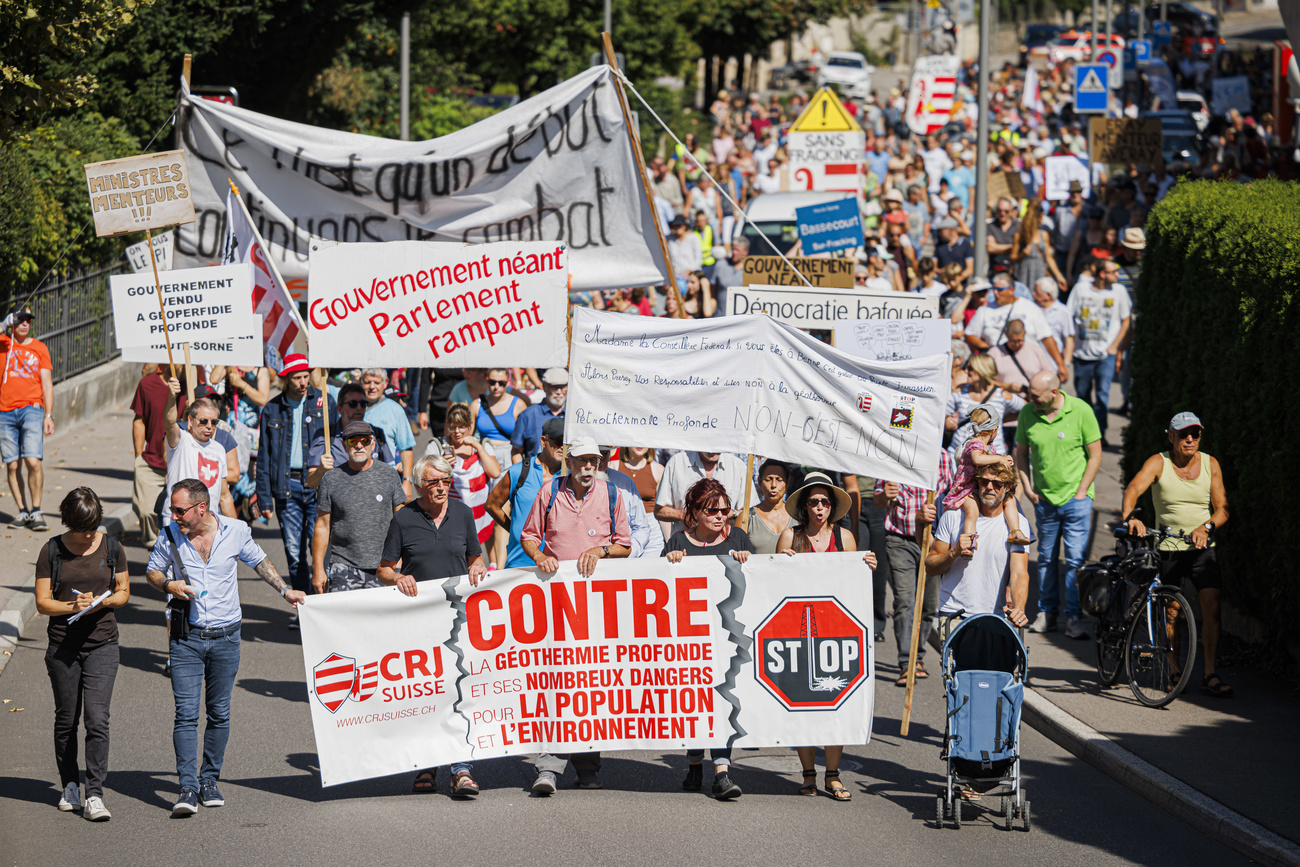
(979, 213)
(406, 76)
(1095, 50)
(609, 19)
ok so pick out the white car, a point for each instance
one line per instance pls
(1193, 102)
(848, 71)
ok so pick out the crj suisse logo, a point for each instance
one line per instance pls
(338, 678)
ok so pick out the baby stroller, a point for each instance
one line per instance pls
(984, 672)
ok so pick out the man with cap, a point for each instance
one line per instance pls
(26, 402)
(1187, 491)
(352, 405)
(354, 506)
(518, 487)
(952, 249)
(526, 439)
(576, 517)
(290, 422)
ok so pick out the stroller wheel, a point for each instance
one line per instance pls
(1007, 812)
(938, 811)
(956, 812)
(1024, 815)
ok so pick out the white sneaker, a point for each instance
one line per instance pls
(1075, 628)
(1042, 624)
(96, 811)
(71, 799)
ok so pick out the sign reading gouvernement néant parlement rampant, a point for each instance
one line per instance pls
(643, 654)
(150, 191)
(752, 385)
(423, 304)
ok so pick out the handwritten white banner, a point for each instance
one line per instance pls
(749, 384)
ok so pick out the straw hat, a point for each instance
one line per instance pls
(819, 480)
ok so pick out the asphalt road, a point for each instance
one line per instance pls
(277, 812)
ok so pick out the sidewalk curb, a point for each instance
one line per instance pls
(20, 610)
(1216, 821)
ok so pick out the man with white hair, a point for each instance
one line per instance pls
(1047, 297)
(390, 418)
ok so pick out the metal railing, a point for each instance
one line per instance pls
(74, 319)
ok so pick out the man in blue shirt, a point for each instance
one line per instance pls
(536, 473)
(195, 560)
(961, 178)
(526, 441)
(878, 158)
(290, 421)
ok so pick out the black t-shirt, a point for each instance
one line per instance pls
(86, 574)
(959, 252)
(429, 552)
(737, 540)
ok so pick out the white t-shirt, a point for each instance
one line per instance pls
(194, 460)
(1098, 316)
(987, 322)
(936, 163)
(977, 585)
(767, 184)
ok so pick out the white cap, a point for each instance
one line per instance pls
(583, 447)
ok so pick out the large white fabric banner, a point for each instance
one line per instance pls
(644, 654)
(556, 167)
(752, 385)
(422, 304)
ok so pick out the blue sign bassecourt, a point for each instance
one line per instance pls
(830, 226)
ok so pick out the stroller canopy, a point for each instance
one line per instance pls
(986, 642)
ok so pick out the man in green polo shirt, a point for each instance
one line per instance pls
(1058, 453)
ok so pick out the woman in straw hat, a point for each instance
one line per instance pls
(816, 506)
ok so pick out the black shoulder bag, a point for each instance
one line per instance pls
(178, 624)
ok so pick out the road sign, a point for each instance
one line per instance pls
(931, 94)
(825, 113)
(811, 653)
(830, 226)
(1090, 93)
(1161, 32)
(1141, 51)
(1114, 70)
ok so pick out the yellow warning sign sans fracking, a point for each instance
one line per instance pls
(825, 114)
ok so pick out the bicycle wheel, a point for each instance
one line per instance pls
(1159, 655)
(1109, 645)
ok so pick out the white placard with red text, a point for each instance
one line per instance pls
(425, 304)
(827, 161)
(643, 654)
(932, 92)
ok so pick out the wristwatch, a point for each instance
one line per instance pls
(284, 590)
(1209, 526)
(604, 550)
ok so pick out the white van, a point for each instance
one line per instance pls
(770, 218)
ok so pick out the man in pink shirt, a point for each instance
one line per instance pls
(576, 517)
(1018, 359)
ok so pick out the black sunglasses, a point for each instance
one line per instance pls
(500, 382)
(355, 404)
(205, 422)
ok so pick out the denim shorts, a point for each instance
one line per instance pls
(22, 432)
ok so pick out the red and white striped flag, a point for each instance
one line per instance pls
(271, 299)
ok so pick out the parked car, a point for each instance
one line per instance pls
(794, 72)
(1036, 35)
(772, 215)
(1180, 137)
(1182, 14)
(1076, 45)
(1192, 102)
(1203, 45)
(848, 71)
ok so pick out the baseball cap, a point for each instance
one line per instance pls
(293, 363)
(584, 447)
(1185, 420)
(555, 376)
(23, 311)
(554, 429)
(357, 429)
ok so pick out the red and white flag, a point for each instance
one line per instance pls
(1032, 98)
(271, 299)
(933, 91)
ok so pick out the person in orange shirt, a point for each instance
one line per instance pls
(26, 394)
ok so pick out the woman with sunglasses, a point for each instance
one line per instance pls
(815, 507)
(472, 464)
(494, 414)
(708, 531)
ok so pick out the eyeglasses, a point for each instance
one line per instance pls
(995, 484)
(355, 404)
(818, 502)
(1193, 432)
(177, 513)
(358, 441)
(205, 422)
(720, 510)
(444, 482)
(501, 382)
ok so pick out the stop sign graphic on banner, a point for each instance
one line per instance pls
(810, 653)
(932, 92)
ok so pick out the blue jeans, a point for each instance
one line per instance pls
(1099, 373)
(721, 756)
(22, 433)
(214, 659)
(297, 514)
(1067, 525)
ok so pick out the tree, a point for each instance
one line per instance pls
(42, 44)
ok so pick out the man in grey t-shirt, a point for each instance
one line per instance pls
(354, 506)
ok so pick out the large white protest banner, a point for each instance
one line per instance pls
(644, 654)
(422, 304)
(891, 340)
(1059, 171)
(557, 167)
(209, 308)
(752, 385)
(820, 307)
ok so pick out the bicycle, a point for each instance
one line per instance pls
(1150, 629)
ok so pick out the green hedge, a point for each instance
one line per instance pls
(1218, 332)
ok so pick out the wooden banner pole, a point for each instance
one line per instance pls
(743, 523)
(918, 604)
(189, 375)
(148, 236)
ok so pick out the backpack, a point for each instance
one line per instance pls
(112, 549)
(555, 492)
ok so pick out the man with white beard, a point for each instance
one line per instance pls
(526, 441)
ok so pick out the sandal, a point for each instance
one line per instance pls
(463, 785)
(1214, 685)
(424, 781)
(835, 788)
(809, 786)
(921, 674)
(968, 794)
